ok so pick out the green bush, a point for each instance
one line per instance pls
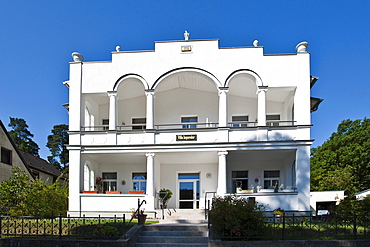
(351, 205)
(233, 218)
(22, 196)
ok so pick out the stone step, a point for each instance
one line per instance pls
(171, 244)
(176, 227)
(171, 239)
(175, 233)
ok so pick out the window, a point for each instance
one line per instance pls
(273, 120)
(242, 119)
(239, 179)
(189, 120)
(88, 178)
(6, 156)
(105, 123)
(270, 178)
(139, 123)
(35, 174)
(139, 181)
(109, 181)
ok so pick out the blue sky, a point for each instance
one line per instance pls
(37, 39)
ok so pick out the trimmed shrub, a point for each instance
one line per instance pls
(234, 218)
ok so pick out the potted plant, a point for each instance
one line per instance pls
(141, 218)
(164, 196)
(99, 183)
(278, 212)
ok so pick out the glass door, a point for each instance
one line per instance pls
(189, 190)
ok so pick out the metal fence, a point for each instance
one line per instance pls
(297, 226)
(63, 227)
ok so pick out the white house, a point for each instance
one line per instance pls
(193, 118)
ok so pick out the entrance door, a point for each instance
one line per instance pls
(189, 190)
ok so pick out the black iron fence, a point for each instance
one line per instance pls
(296, 226)
(63, 227)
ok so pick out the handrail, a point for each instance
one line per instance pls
(189, 125)
(137, 210)
(206, 209)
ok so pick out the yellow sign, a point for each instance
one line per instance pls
(186, 137)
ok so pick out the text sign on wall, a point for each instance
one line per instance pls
(186, 137)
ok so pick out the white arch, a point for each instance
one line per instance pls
(130, 76)
(213, 78)
(244, 71)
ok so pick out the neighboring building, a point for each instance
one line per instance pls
(193, 118)
(362, 194)
(41, 169)
(322, 202)
(10, 156)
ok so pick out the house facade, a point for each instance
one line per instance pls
(193, 118)
(34, 167)
(10, 156)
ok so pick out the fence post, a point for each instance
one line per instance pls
(354, 226)
(283, 232)
(60, 226)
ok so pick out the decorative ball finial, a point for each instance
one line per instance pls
(186, 35)
(118, 48)
(301, 47)
(255, 43)
(77, 57)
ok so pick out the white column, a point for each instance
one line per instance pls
(222, 107)
(221, 185)
(149, 109)
(75, 181)
(261, 93)
(150, 174)
(112, 110)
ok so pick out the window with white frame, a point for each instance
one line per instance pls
(109, 181)
(239, 180)
(192, 119)
(273, 119)
(88, 178)
(139, 123)
(139, 181)
(270, 178)
(239, 121)
(105, 123)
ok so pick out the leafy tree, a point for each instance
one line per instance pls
(57, 142)
(13, 192)
(343, 161)
(22, 196)
(350, 205)
(47, 199)
(22, 137)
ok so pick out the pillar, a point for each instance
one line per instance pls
(150, 174)
(221, 185)
(149, 109)
(112, 110)
(261, 94)
(222, 107)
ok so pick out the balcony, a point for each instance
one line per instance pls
(179, 133)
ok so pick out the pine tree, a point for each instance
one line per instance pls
(57, 142)
(22, 137)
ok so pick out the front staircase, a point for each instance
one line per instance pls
(181, 228)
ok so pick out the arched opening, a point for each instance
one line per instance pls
(242, 100)
(131, 104)
(186, 98)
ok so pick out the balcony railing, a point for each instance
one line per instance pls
(191, 125)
